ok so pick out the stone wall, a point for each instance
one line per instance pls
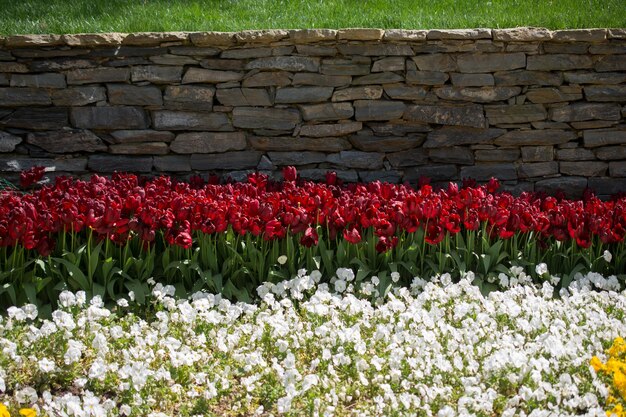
(538, 109)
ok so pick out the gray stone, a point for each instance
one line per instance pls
(36, 118)
(369, 143)
(535, 137)
(336, 129)
(453, 155)
(370, 92)
(177, 60)
(398, 127)
(172, 163)
(209, 142)
(484, 172)
(189, 97)
(435, 62)
(593, 124)
(434, 172)
(227, 160)
(46, 80)
(145, 148)
(537, 153)
(471, 115)
(357, 159)
(584, 168)
(617, 169)
(244, 97)
(265, 164)
(606, 93)
(345, 67)
(585, 111)
(316, 174)
(408, 158)
(261, 118)
(286, 63)
(135, 136)
(246, 53)
(109, 118)
(453, 135)
(607, 186)
(112, 163)
(266, 79)
(296, 158)
(405, 92)
(566, 48)
(4, 79)
(47, 53)
(97, 75)
(156, 74)
(572, 186)
(558, 62)
(459, 34)
(611, 153)
(594, 138)
(12, 164)
(382, 176)
(78, 96)
(497, 155)
(212, 38)
(360, 34)
(498, 114)
(365, 110)
(554, 95)
(13, 67)
(574, 154)
(604, 64)
(378, 78)
(476, 63)
(194, 51)
(126, 62)
(389, 64)
(289, 143)
(476, 94)
(426, 77)
(66, 141)
(200, 75)
(616, 33)
(223, 64)
(594, 77)
(303, 94)
(8, 142)
(179, 120)
(59, 64)
(471, 80)
(523, 77)
(307, 78)
(17, 97)
(374, 49)
(125, 94)
(327, 111)
(316, 50)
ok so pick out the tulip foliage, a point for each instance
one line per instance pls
(108, 236)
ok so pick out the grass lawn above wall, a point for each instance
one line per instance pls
(57, 16)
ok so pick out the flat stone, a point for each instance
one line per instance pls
(78, 96)
(289, 143)
(246, 53)
(317, 174)
(369, 143)
(454, 155)
(594, 77)
(324, 130)
(244, 97)
(566, 48)
(157, 74)
(554, 95)
(17, 97)
(382, 176)
(585, 111)
(172, 163)
(579, 35)
(471, 115)
(584, 168)
(535, 137)
(612, 48)
(537, 153)
(607, 186)
(227, 160)
(316, 50)
(471, 80)
(365, 110)
(453, 135)
(48, 53)
(154, 38)
(359, 34)
(177, 60)
(594, 138)
(97, 75)
(378, 49)
(13, 67)
(530, 47)
(113, 163)
(312, 35)
(389, 64)
(194, 51)
(145, 148)
(136, 136)
(66, 141)
(398, 127)
(303, 94)
(46, 80)
(523, 77)
(575, 154)
(435, 62)
(4, 79)
(266, 79)
(370, 92)
(405, 92)
(212, 38)
(357, 159)
(8, 142)
(63, 164)
(497, 155)
(20, 41)
(401, 35)
(261, 118)
(604, 64)
(127, 51)
(189, 97)
(125, 62)
(617, 169)
(616, 33)
(208, 142)
(499, 114)
(286, 63)
(223, 64)
(200, 75)
(109, 118)
(60, 64)
(179, 120)
(125, 94)
(459, 34)
(426, 77)
(522, 34)
(558, 62)
(477, 63)
(305, 78)
(261, 36)
(611, 153)
(36, 118)
(484, 172)
(476, 94)
(345, 67)
(573, 187)
(433, 172)
(378, 78)
(606, 93)
(593, 124)
(296, 158)
(327, 111)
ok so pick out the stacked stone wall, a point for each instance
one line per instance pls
(539, 109)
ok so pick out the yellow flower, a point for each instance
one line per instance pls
(4, 412)
(28, 412)
(596, 363)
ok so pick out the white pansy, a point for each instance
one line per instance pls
(607, 256)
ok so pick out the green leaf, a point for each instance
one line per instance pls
(75, 274)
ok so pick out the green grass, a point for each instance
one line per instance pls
(63, 16)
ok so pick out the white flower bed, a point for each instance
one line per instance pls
(435, 349)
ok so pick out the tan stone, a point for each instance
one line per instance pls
(399, 35)
(154, 38)
(535, 137)
(522, 34)
(312, 35)
(335, 129)
(360, 34)
(515, 114)
(370, 92)
(579, 35)
(616, 33)
(476, 94)
(460, 34)
(537, 153)
(584, 168)
(474, 63)
(19, 41)
(435, 62)
(554, 95)
(261, 36)
(212, 38)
